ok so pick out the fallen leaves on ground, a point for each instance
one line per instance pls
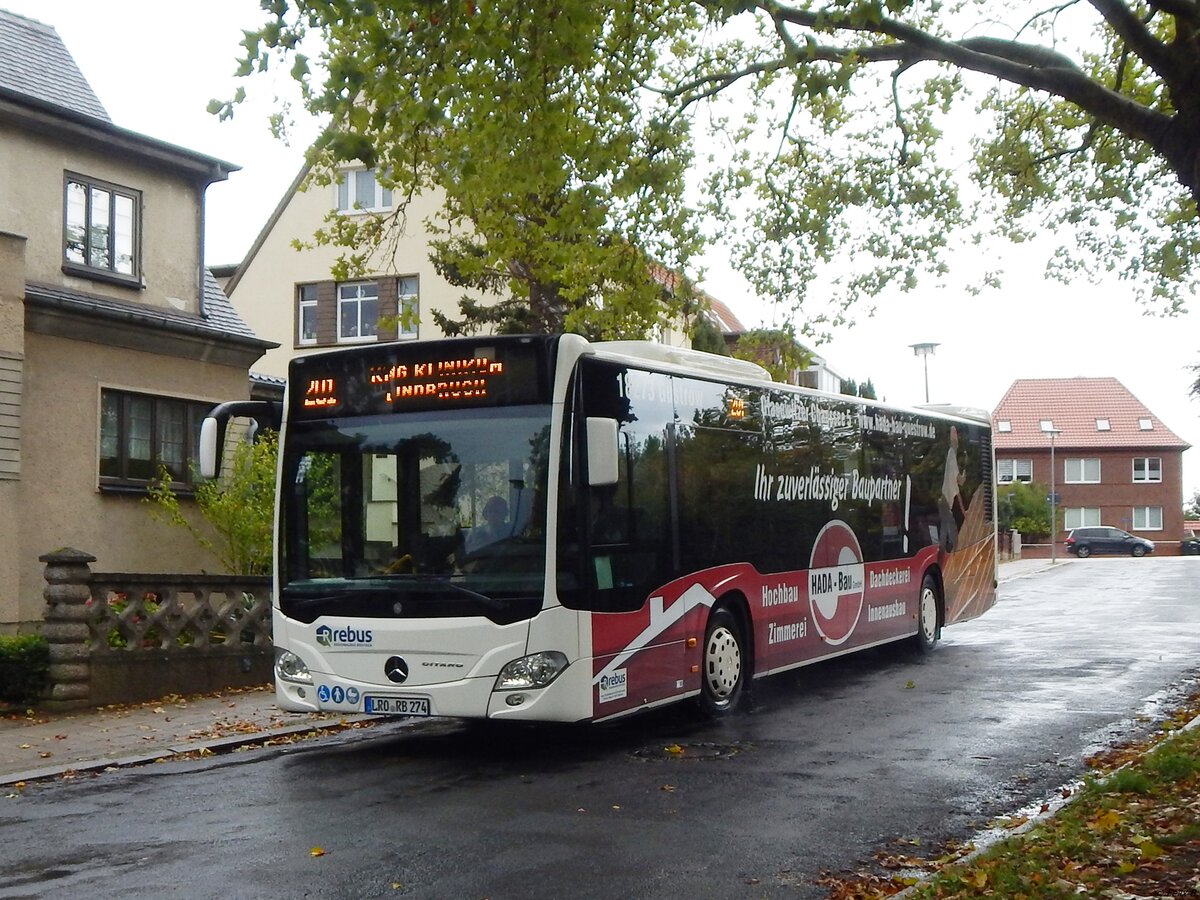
(1132, 831)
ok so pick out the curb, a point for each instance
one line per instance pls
(1040, 570)
(1047, 808)
(216, 745)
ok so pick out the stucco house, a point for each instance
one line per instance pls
(114, 338)
(288, 295)
(1115, 462)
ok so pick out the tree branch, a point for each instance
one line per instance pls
(714, 84)
(1188, 10)
(1027, 65)
(1135, 34)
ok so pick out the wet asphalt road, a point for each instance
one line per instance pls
(834, 763)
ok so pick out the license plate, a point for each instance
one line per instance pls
(397, 706)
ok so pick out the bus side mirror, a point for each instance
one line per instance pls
(264, 413)
(212, 440)
(602, 451)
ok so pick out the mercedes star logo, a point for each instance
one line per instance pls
(396, 669)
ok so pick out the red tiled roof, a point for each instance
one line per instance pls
(1074, 406)
(723, 315)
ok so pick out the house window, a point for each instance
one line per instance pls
(1081, 471)
(1004, 425)
(100, 227)
(306, 314)
(1080, 517)
(1145, 425)
(408, 306)
(1147, 518)
(141, 434)
(1009, 470)
(1147, 468)
(358, 311)
(357, 190)
(1046, 425)
(1103, 425)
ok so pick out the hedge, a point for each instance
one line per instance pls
(24, 666)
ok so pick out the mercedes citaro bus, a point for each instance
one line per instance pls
(542, 528)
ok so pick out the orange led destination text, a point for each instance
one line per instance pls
(447, 379)
(320, 392)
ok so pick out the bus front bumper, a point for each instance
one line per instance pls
(567, 699)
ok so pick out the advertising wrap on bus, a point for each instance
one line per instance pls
(543, 528)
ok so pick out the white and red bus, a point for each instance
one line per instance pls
(543, 528)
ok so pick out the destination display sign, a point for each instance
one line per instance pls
(417, 376)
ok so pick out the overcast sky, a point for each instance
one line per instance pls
(155, 64)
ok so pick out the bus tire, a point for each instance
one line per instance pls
(724, 664)
(928, 604)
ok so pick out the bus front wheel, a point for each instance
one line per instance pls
(725, 664)
(927, 615)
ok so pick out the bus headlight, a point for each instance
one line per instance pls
(534, 671)
(290, 667)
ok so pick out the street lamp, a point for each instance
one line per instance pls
(1049, 429)
(924, 351)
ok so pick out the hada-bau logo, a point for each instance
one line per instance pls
(343, 637)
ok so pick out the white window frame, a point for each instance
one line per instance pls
(362, 296)
(1010, 470)
(1147, 518)
(1004, 425)
(408, 306)
(1147, 469)
(359, 191)
(1081, 517)
(1081, 475)
(1103, 425)
(306, 305)
(1145, 424)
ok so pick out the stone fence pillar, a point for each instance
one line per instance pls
(67, 593)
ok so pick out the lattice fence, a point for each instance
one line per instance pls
(136, 612)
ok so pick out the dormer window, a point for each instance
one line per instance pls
(1145, 424)
(1103, 425)
(101, 228)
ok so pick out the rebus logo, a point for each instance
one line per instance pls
(343, 637)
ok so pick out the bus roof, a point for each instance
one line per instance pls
(696, 360)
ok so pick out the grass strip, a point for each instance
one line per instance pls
(1132, 832)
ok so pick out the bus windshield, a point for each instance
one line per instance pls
(424, 515)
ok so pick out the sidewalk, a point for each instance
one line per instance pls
(1019, 568)
(40, 745)
(46, 745)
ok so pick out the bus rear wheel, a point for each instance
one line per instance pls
(724, 666)
(928, 602)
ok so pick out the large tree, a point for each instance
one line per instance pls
(1084, 119)
(562, 190)
(824, 132)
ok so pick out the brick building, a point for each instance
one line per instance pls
(1115, 462)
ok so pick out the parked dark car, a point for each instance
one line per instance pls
(1190, 545)
(1083, 542)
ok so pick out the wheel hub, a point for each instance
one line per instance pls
(723, 662)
